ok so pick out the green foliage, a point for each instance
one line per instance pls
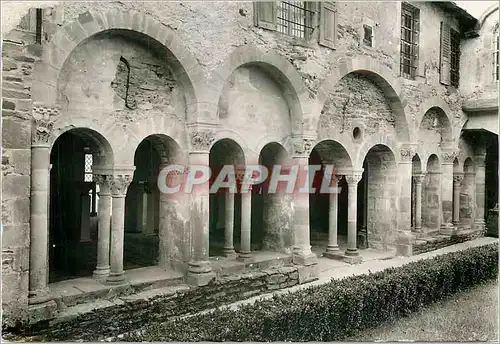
(339, 309)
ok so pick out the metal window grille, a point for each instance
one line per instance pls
(88, 168)
(455, 58)
(38, 33)
(409, 41)
(294, 18)
(496, 54)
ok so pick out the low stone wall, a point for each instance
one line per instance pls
(132, 312)
(435, 243)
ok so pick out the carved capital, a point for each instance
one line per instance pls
(449, 157)
(353, 179)
(418, 179)
(457, 178)
(302, 146)
(103, 181)
(43, 122)
(202, 140)
(406, 154)
(119, 184)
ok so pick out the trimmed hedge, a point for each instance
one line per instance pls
(338, 309)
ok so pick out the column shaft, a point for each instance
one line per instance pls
(229, 224)
(302, 247)
(246, 216)
(38, 276)
(333, 222)
(200, 270)
(103, 236)
(352, 254)
(457, 183)
(119, 187)
(447, 196)
(417, 180)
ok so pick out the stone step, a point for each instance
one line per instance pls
(84, 290)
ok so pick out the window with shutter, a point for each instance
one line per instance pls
(298, 19)
(265, 14)
(445, 67)
(454, 58)
(409, 40)
(328, 24)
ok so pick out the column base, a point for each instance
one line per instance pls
(352, 256)
(480, 225)
(447, 229)
(116, 278)
(41, 311)
(199, 273)
(40, 296)
(333, 252)
(101, 273)
(245, 256)
(229, 252)
(305, 258)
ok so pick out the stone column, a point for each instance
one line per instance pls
(333, 248)
(417, 182)
(447, 192)
(351, 254)
(405, 179)
(102, 269)
(480, 180)
(118, 185)
(245, 253)
(457, 184)
(199, 270)
(39, 294)
(302, 253)
(229, 225)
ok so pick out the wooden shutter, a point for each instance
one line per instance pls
(328, 24)
(265, 15)
(444, 68)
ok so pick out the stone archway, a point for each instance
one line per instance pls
(378, 75)
(225, 207)
(268, 73)
(272, 214)
(88, 25)
(380, 199)
(328, 210)
(76, 156)
(153, 234)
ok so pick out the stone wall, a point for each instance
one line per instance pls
(132, 312)
(435, 243)
(18, 57)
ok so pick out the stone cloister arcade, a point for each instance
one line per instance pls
(253, 109)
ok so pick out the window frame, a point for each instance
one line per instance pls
(294, 26)
(409, 41)
(454, 58)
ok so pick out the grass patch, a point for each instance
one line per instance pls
(467, 316)
(339, 309)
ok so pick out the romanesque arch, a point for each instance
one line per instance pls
(381, 76)
(88, 24)
(76, 155)
(271, 65)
